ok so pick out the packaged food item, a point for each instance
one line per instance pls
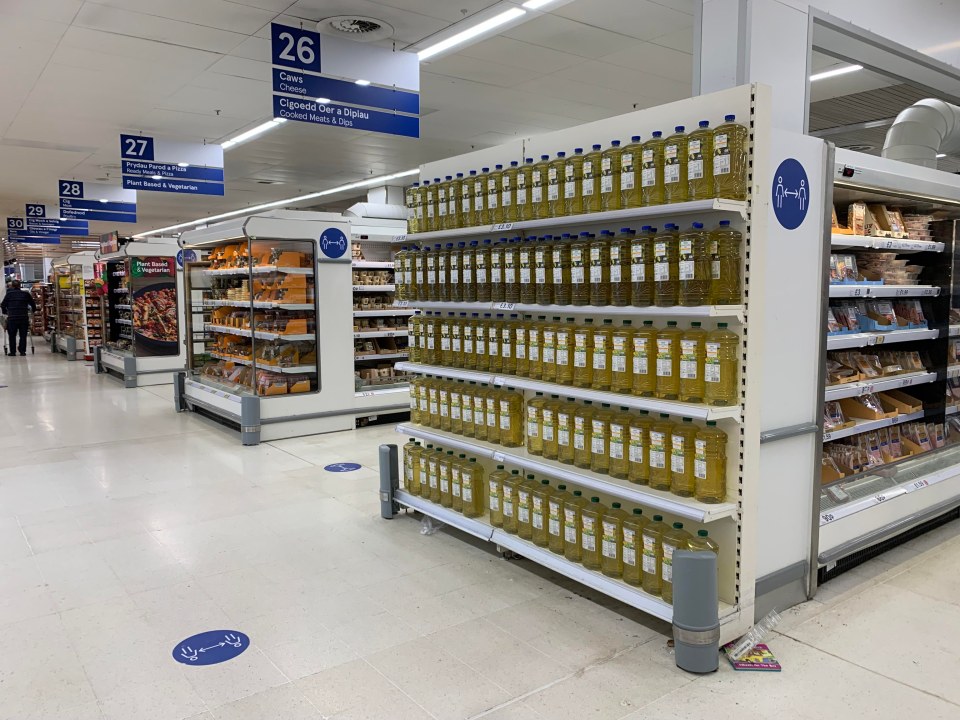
(871, 401)
(832, 324)
(857, 218)
(833, 417)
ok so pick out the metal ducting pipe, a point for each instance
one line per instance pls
(921, 131)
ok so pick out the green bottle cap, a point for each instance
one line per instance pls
(637, 511)
(514, 472)
(722, 326)
(530, 476)
(678, 526)
(657, 518)
(615, 506)
(594, 499)
(701, 533)
(544, 482)
(561, 487)
(577, 493)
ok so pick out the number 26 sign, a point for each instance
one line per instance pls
(295, 47)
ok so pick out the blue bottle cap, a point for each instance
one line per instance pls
(548, 238)
(459, 175)
(615, 143)
(461, 244)
(645, 228)
(473, 172)
(474, 243)
(426, 182)
(416, 184)
(698, 226)
(729, 118)
(565, 236)
(679, 128)
(606, 233)
(486, 169)
(658, 133)
(449, 177)
(544, 157)
(704, 123)
(724, 223)
(528, 160)
(597, 147)
(584, 234)
(499, 167)
(634, 138)
(578, 151)
(626, 230)
(513, 163)
(561, 154)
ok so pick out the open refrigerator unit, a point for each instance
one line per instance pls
(145, 312)
(268, 319)
(73, 277)
(891, 456)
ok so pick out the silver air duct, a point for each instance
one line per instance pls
(923, 130)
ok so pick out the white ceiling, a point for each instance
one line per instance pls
(78, 73)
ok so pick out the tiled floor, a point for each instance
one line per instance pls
(125, 527)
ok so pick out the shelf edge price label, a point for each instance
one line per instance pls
(499, 227)
(505, 306)
(399, 238)
(498, 457)
(827, 436)
(826, 518)
(401, 303)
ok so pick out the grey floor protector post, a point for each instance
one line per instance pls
(179, 391)
(129, 371)
(250, 420)
(389, 480)
(71, 348)
(696, 618)
(97, 367)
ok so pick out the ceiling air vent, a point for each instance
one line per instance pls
(356, 27)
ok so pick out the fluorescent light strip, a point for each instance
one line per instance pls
(281, 203)
(835, 72)
(262, 128)
(470, 33)
(536, 4)
(362, 82)
(941, 155)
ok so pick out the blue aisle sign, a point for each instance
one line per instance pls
(37, 228)
(96, 201)
(211, 647)
(19, 232)
(35, 210)
(159, 165)
(343, 104)
(790, 194)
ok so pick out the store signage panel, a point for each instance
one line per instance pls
(211, 647)
(295, 47)
(95, 201)
(109, 243)
(314, 86)
(345, 58)
(790, 194)
(40, 223)
(345, 116)
(35, 210)
(160, 165)
(154, 298)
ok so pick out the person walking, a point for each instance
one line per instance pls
(17, 305)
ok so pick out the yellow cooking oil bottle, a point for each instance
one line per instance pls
(548, 427)
(469, 333)
(666, 266)
(661, 432)
(675, 166)
(710, 464)
(456, 481)
(591, 517)
(456, 272)
(539, 194)
(535, 424)
(415, 385)
(599, 256)
(555, 519)
(556, 171)
(429, 195)
(548, 350)
(494, 362)
(730, 142)
(561, 277)
(610, 177)
(682, 458)
(443, 401)
(539, 512)
(412, 202)
(565, 413)
(443, 204)
(511, 419)
(638, 468)
(619, 465)
(651, 543)
(603, 356)
(446, 340)
(721, 367)
(630, 173)
(494, 209)
(472, 484)
(433, 473)
(591, 180)
(497, 288)
(411, 466)
(508, 193)
(668, 361)
(456, 407)
(673, 540)
(618, 250)
(415, 331)
(430, 263)
(443, 271)
(695, 267)
(564, 352)
(632, 546)
(535, 346)
(611, 541)
(543, 271)
(481, 431)
(702, 542)
(525, 492)
(527, 259)
(509, 501)
(725, 283)
(480, 216)
(523, 205)
(692, 354)
(644, 360)
(700, 163)
(466, 199)
(572, 187)
(495, 495)
(600, 439)
(399, 275)
(455, 203)
(582, 434)
(521, 344)
(579, 270)
(511, 271)
(425, 455)
(651, 171)
(508, 357)
(481, 270)
(583, 354)
(641, 267)
(466, 408)
(621, 358)
(571, 526)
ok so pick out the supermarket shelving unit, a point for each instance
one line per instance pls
(735, 523)
(70, 277)
(858, 513)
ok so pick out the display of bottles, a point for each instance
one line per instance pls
(591, 181)
(666, 266)
(591, 516)
(610, 177)
(668, 361)
(658, 453)
(710, 464)
(632, 547)
(651, 539)
(572, 183)
(700, 163)
(651, 171)
(692, 359)
(725, 283)
(730, 162)
(599, 261)
(675, 184)
(695, 269)
(671, 541)
(611, 541)
(721, 367)
(630, 173)
(571, 526)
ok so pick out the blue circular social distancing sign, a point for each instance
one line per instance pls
(211, 647)
(790, 194)
(333, 243)
(342, 467)
(185, 256)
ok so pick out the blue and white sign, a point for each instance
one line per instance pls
(19, 231)
(342, 467)
(313, 86)
(333, 243)
(345, 116)
(295, 47)
(41, 229)
(185, 256)
(35, 210)
(160, 165)
(96, 201)
(211, 648)
(790, 194)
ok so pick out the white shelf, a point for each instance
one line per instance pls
(856, 389)
(374, 288)
(257, 304)
(865, 291)
(389, 390)
(285, 369)
(868, 425)
(735, 207)
(838, 342)
(381, 356)
(257, 270)
(259, 334)
(373, 264)
(119, 306)
(878, 243)
(392, 312)
(730, 312)
(381, 333)
(618, 489)
(678, 409)
(123, 321)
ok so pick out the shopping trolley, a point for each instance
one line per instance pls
(3, 329)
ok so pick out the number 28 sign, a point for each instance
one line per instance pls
(295, 47)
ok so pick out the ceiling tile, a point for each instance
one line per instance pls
(641, 19)
(61, 11)
(242, 67)
(655, 60)
(482, 71)
(409, 27)
(628, 82)
(449, 11)
(219, 14)
(519, 54)
(572, 37)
